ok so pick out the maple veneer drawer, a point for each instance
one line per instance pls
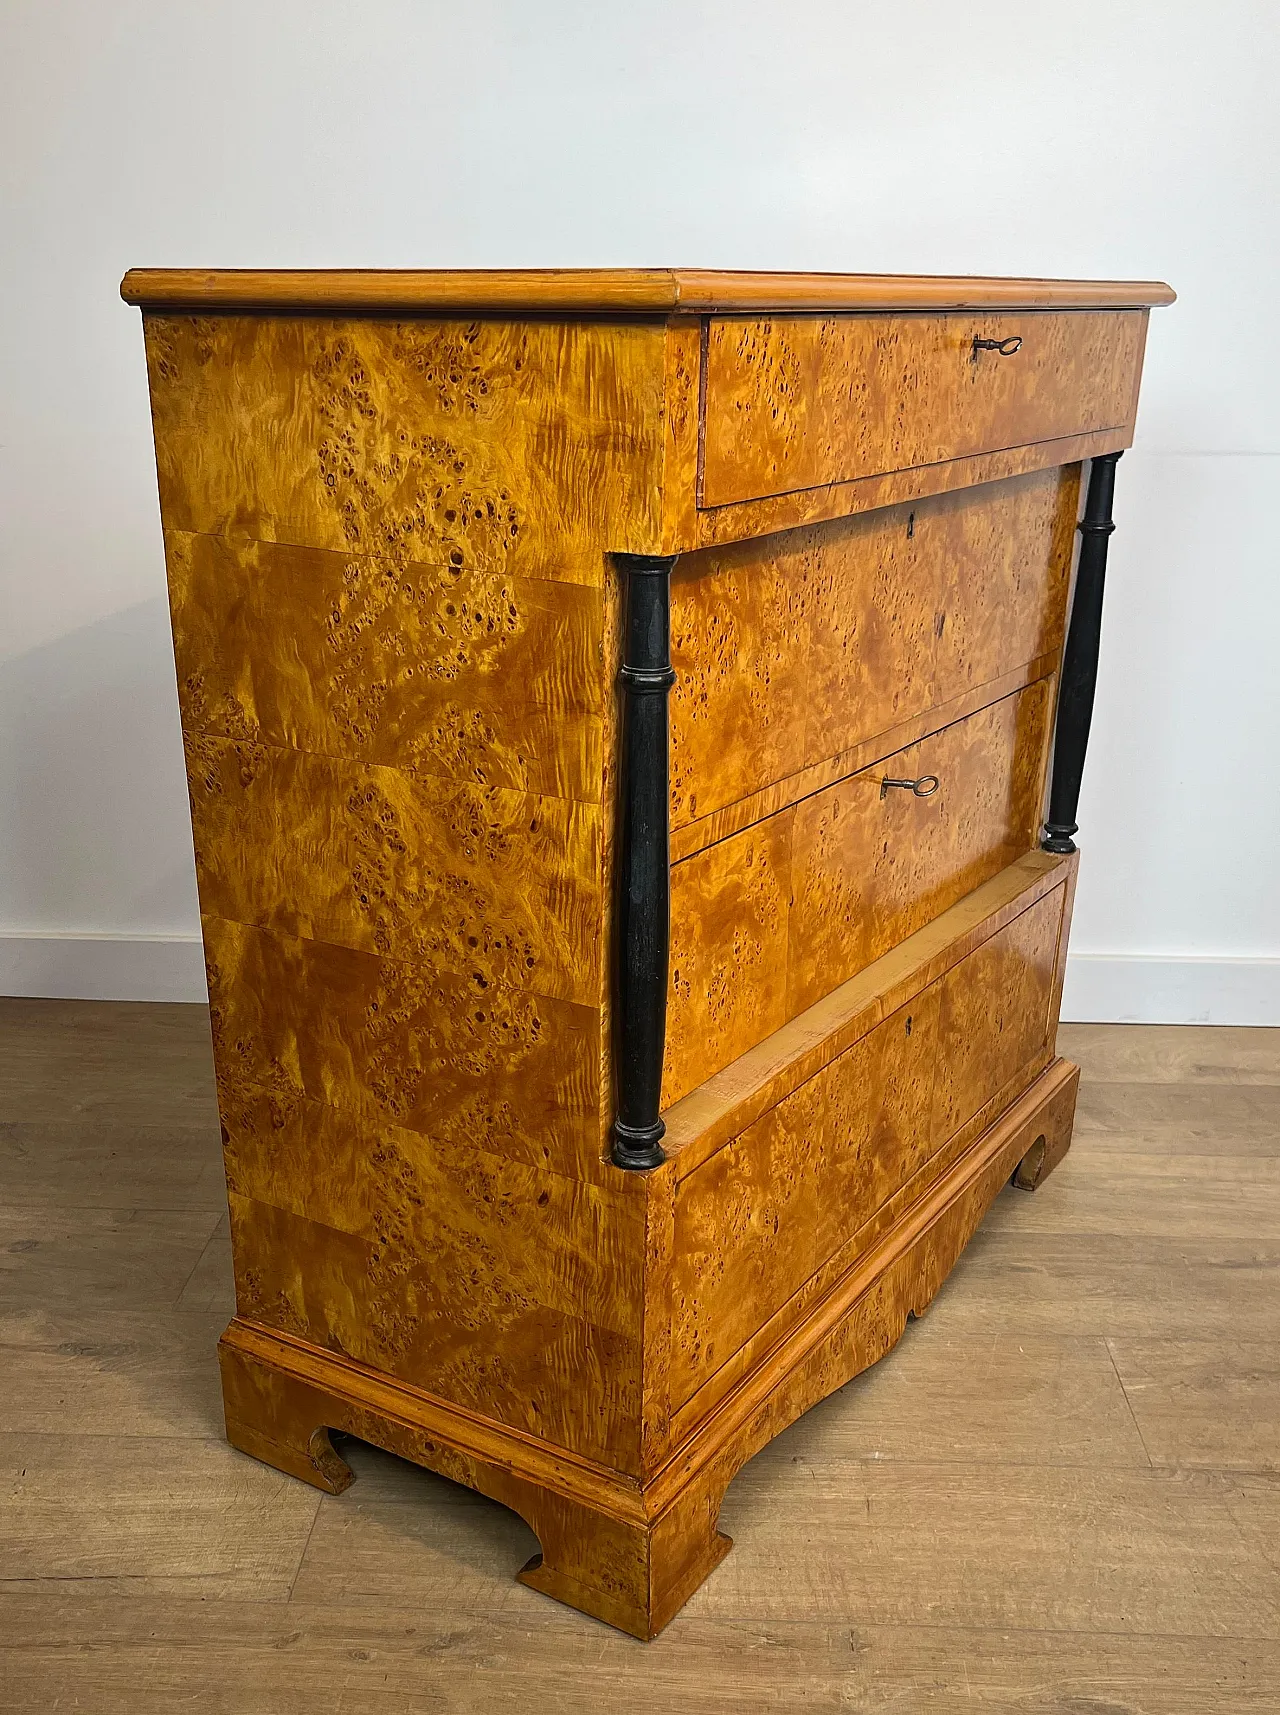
(796, 402)
(792, 649)
(799, 1191)
(763, 924)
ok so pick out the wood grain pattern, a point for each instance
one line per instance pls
(583, 291)
(720, 525)
(742, 813)
(765, 923)
(453, 1056)
(730, 928)
(762, 1215)
(523, 449)
(800, 402)
(496, 885)
(472, 676)
(869, 867)
(795, 648)
(390, 504)
(718, 1110)
(498, 1287)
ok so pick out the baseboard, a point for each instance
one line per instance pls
(1101, 988)
(1108, 988)
(80, 966)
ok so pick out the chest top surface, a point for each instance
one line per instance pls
(613, 291)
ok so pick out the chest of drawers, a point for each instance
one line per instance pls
(618, 710)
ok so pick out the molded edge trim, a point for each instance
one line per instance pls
(527, 1456)
(610, 291)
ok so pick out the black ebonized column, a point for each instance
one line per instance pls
(1080, 659)
(643, 862)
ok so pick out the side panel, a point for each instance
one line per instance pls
(522, 447)
(387, 547)
(472, 676)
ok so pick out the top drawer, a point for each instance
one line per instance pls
(796, 402)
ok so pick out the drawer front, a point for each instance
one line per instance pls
(768, 921)
(797, 402)
(792, 649)
(799, 1190)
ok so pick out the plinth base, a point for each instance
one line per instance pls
(632, 1552)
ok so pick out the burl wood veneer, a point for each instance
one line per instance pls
(617, 710)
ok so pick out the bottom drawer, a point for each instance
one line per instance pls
(799, 1190)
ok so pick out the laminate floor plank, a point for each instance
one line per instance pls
(1057, 1496)
(106, 1060)
(209, 1287)
(415, 1541)
(245, 1658)
(110, 1164)
(1208, 1403)
(95, 1371)
(1024, 1282)
(1045, 1400)
(133, 1259)
(995, 1546)
(149, 1515)
(1173, 1054)
(1128, 1195)
(1177, 1119)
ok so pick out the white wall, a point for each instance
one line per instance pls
(1113, 138)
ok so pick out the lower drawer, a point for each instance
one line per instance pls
(799, 1190)
(766, 922)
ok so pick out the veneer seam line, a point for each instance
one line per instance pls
(408, 771)
(235, 539)
(418, 964)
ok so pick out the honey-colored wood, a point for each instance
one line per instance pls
(394, 1043)
(781, 794)
(517, 448)
(727, 1103)
(713, 527)
(495, 885)
(759, 1218)
(795, 403)
(793, 650)
(390, 505)
(583, 291)
(763, 924)
(379, 659)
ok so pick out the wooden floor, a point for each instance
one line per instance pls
(1061, 1493)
